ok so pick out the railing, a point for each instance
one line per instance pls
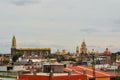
(8, 74)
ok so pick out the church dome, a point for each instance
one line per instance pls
(107, 52)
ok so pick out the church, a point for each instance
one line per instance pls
(82, 50)
(29, 52)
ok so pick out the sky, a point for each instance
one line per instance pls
(60, 24)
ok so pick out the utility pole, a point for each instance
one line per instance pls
(93, 63)
(51, 71)
(93, 66)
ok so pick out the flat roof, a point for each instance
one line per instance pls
(47, 74)
(33, 49)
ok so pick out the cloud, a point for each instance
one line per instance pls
(115, 30)
(5, 47)
(56, 22)
(24, 2)
(111, 46)
(88, 30)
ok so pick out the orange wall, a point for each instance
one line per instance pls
(60, 78)
(102, 79)
(32, 77)
(78, 77)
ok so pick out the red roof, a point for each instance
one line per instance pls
(89, 71)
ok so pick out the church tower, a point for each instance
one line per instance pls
(13, 47)
(13, 42)
(77, 51)
(83, 48)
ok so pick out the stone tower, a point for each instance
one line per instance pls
(13, 47)
(77, 51)
(83, 48)
(13, 42)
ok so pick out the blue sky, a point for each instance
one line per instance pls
(60, 24)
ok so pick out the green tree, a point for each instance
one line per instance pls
(62, 58)
(113, 57)
(72, 59)
(117, 78)
(51, 56)
(6, 61)
(16, 56)
(68, 53)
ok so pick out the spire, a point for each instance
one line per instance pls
(13, 42)
(77, 49)
(83, 44)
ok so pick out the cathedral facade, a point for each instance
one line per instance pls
(81, 53)
(82, 49)
(29, 52)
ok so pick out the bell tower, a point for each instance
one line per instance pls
(83, 48)
(77, 51)
(13, 42)
(13, 47)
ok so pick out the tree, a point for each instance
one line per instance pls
(71, 59)
(6, 61)
(113, 57)
(16, 56)
(117, 78)
(51, 56)
(68, 53)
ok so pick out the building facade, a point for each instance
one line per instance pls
(81, 53)
(83, 48)
(29, 52)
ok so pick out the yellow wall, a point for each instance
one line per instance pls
(102, 79)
